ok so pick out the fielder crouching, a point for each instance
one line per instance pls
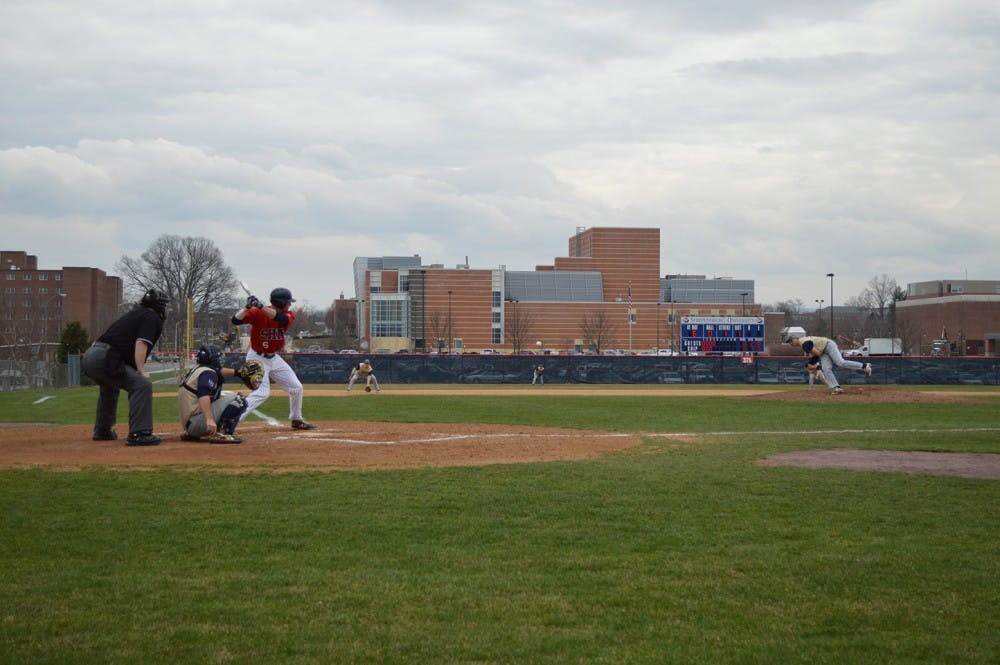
(363, 370)
(204, 408)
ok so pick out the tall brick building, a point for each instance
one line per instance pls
(403, 304)
(38, 303)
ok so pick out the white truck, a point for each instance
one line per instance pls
(878, 346)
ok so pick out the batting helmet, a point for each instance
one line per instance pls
(156, 300)
(281, 297)
(210, 355)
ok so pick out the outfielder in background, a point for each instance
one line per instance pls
(538, 376)
(204, 407)
(363, 370)
(268, 326)
(117, 361)
(824, 353)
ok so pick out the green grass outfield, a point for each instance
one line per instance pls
(672, 552)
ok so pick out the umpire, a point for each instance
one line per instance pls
(117, 361)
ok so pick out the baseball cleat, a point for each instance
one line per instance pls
(219, 437)
(105, 435)
(837, 391)
(301, 424)
(868, 369)
(142, 439)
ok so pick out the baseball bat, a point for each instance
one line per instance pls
(246, 289)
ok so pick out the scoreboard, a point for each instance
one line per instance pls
(722, 334)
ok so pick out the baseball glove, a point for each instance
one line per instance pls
(368, 389)
(251, 374)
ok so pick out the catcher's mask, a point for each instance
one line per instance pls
(156, 300)
(281, 297)
(210, 355)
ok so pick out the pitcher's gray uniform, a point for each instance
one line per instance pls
(826, 352)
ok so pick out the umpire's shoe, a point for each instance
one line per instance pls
(301, 424)
(105, 435)
(146, 438)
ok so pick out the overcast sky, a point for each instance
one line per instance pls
(774, 140)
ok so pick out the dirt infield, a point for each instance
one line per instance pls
(335, 445)
(352, 445)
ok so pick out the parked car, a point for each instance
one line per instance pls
(489, 376)
(670, 377)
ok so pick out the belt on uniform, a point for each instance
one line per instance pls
(101, 345)
(268, 355)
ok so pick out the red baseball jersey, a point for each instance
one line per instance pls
(266, 334)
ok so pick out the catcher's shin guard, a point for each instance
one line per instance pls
(230, 417)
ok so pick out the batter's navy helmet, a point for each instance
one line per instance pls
(281, 297)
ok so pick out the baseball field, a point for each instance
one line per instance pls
(544, 524)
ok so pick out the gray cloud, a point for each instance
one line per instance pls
(320, 131)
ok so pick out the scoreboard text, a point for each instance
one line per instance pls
(722, 334)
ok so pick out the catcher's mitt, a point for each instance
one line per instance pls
(368, 389)
(251, 374)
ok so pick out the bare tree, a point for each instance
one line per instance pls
(879, 298)
(791, 308)
(908, 331)
(519, 323)
(597, 329)
(338, 320)
(437, 326)
(184, 268)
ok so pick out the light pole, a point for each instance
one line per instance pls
(743, 297)
(45, 318)
(819, 308)
(830, 275)
(449, 321)
(658, 328)
(512, 326)
(177, 341)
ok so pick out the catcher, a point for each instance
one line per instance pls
(363, 370)
(204, 408)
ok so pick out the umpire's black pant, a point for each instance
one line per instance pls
(138, 387)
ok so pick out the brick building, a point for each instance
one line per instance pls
(964, 311)
(38, 303)
(609, 279)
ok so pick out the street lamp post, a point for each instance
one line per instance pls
(657, 328)
(514, 326)
(830, 275)
(449, 321)
(43, 354)
(819, 309)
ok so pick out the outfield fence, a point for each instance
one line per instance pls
(333, 368)
(562, 369)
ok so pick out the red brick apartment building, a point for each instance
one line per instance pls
(405, 305)
(38, 303)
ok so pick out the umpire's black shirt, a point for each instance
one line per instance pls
(142, 323)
